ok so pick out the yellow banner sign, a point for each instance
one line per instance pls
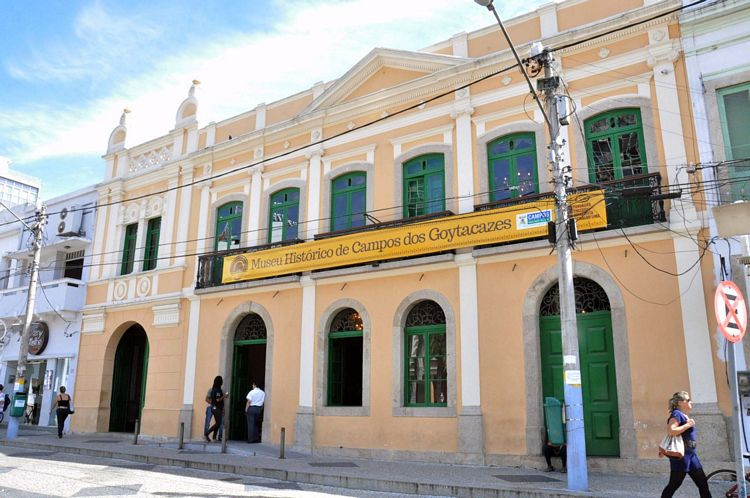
(523, 221)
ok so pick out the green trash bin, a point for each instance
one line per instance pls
(553, 415)
(18, 405)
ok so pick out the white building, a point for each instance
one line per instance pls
(716, 44)
(63, 273)
(16, 188)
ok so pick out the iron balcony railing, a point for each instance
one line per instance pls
(632, 201)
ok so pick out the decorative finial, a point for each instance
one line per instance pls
(191, 93)
(125, 112)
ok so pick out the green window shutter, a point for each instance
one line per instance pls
(425, 366)
(512, 166)
(228, 231)
(152, 244)
(348, 201)
(283, 220)
(424, 185)
(128, 249)
(734, 113)
(614, 145)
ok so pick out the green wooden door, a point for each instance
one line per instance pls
(598, 375)
(129, 380)
(240, 388)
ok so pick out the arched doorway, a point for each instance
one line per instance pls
(248, 365)
(129, 380)
(597, 359)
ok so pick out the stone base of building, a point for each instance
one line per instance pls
(471, 435)
(713, 440)
(303, 430)
(186, 417)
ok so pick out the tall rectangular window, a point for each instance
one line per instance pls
(348, 201)
(128, 249)
(614, 145)
(734, 111)
(151, 254)
(284, 215)
(424, 185)
(512, 163)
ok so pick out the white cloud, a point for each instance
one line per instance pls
(309, 42)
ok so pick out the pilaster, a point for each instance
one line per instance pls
(304, 429)
(313, 187)
(462, 111)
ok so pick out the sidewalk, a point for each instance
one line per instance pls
(261, 460)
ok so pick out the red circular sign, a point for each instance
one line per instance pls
(731, 311)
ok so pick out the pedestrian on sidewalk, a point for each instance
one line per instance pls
(63, 403)
(216, 397)
(256, 398)
(680, 406)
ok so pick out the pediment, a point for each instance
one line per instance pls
(382, 69)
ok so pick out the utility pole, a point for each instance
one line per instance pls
(564, 227)
(23, 353)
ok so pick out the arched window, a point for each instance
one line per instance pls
(345, 359)
(512, 166)
(589, 297)
(425, 351)
(284, 216)
(614, 145)
(251, 328)
(424, 185)
(348, 201)
(228, 226)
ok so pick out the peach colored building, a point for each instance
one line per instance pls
(444, 354)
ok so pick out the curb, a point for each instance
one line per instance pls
(349, 482)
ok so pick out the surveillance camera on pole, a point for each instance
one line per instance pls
(556, 114)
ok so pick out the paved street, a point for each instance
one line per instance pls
(28, 472)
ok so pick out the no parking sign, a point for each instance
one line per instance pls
(731, 311)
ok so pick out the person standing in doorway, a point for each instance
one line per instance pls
(30, 403)
(62, 403)
(256, 398)
(216, 397)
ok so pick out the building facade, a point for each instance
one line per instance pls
(16, 188)
(323, 246)
(60, 297)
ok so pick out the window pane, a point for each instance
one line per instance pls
(435, 196)
(414, 168)
(358, 208)
(499, 147)
(434, 163)
(437, 344)
(737, 109)
(416, 392)
(415, 197)
(416, 368)
(500, 179)
(525, 169)
(358, 180)
(602, 155)
(340, 183)
(627, 120)
(521, 143)
(416, 345)
(277, 226)
(236, 232)
(339, 212)
(439, 391)
(599, 125)
(290, 230)
(630, 154)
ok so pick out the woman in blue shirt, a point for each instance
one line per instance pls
(680, 407)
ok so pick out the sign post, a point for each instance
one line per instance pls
(731, 315)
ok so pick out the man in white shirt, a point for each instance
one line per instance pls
(253, 408)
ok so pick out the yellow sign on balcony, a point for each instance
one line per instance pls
(507, 224)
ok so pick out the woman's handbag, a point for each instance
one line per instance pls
(672, 446)
(71, 408)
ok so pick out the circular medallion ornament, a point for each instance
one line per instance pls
(120, 291)
(143, 287)
(38, 337)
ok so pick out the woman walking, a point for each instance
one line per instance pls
(680, 407)
(62, 402)
(217, 397)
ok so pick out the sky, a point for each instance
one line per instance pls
(68, 67)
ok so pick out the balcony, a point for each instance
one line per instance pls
(66, 294)
(629, 202)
